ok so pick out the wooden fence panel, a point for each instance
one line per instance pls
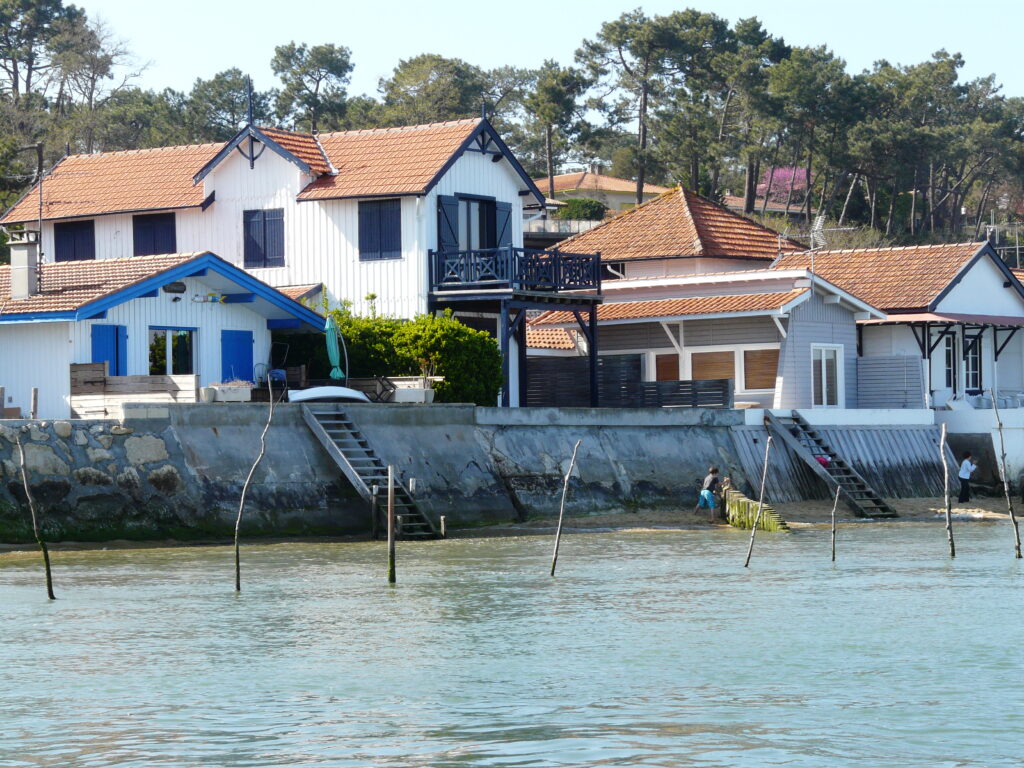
(97, 396)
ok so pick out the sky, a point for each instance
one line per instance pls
(200, 38)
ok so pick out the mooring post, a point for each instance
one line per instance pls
(945, 486)
(374, 522)
(561, 510)
(760, 501)
(1006, 480)
(35, 520)
(835, 504)
(391, 524)
(444, 528)
(34, 409)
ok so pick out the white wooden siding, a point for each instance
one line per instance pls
(37, 355)
(210, 319)
(321, 237)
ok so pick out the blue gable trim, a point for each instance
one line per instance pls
(492, 137)
(283, 323)
(255, 133)
(200, 265)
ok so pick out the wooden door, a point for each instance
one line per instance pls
(666, 367)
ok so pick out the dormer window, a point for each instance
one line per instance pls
(74, 240)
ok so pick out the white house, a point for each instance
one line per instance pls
(175, 315)
(421, 218)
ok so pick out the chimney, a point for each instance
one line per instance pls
(24, 263)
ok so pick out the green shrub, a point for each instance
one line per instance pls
(583, 209)
(370, 341)
(469, 360)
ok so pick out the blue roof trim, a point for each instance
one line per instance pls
(37, 317)
(242, 135)
(485, 126)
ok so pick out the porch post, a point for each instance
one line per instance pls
(503, 339)
(594, 394)
(521, 357)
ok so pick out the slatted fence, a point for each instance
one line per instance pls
(565, 382)
(94, 395)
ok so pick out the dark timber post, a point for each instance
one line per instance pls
(521, 358)
(503, 339)
(595, 400)
(391, 524)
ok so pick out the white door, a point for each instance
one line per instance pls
(826, 376)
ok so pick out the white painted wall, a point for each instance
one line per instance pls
(672, 267)
(37, 355)
(321, 237)
(981, 291)
(210, 319)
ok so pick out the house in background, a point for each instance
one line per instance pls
(423, 217)
(146, 317)
(616, 193)
(761, 206)
(950, 335)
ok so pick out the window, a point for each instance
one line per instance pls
(760, 367)
(972, 364)
(826, 368)
(153, 233)
(712, 365)
(949, 355)
(476, 224)
(74, 240)
(380, 230)
(263, 233)
(172, 351)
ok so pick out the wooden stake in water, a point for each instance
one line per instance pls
(1006, 480)
(760, 501)
(561, 510)
(391, 524)
(248, 481)
(945, 487)
(444, 527)
(34, 407)
(374, 521)
(835, 504)
(35, 522)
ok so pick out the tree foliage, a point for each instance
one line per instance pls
(314, 80)
(583, 209)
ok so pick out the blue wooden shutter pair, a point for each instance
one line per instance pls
(110, 345)
(447, 223)
(503, 224)
(154, 233)
(263, 238)
(380, 229)
(74, 241)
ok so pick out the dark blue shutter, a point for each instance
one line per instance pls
(153, 233)
(110, 346)
(447, 223)
(253, 239)
(273, 221)
(503, 224)
(85, 241)
(63, 243)
(369, 231)
(391, 229)
(164, 236)
(74, 241)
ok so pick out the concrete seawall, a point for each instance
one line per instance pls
(177, 471)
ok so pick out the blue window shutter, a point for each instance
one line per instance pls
(391, 229)
(273, 222)
(503, 224)
(447, 223)
(164, 237)
(85, 241)
(122, 350)
(369, 230)
(253, 239)
(74, 241)
(64, 243)
(142, 236)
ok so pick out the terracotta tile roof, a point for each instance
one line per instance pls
(892, 279)
(700, 305)
(112, 182)
(303, 145)
(389, 161)
(677, 224)
(69, 285)
(297, 292)
(583, 180)
(550, 338)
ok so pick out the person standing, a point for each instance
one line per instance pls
(967, 468)
(707, 493)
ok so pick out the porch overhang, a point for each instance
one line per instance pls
(949, 318)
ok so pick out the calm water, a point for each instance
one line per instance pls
(648, 649)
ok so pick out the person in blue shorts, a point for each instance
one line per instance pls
(708, 490)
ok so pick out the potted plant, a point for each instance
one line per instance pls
(234, 391)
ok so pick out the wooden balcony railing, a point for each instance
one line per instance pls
(523, 269)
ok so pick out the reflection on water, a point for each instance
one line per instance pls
(648, 649)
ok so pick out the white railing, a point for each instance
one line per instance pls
(559, 226)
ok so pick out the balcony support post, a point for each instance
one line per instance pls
(503, 334)
(595, 398)
(521, 358)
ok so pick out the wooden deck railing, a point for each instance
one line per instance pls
(524, 269)
(94, 395)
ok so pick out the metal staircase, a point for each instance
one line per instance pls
(807, 443)
(351, 451)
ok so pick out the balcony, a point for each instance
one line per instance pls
(514, 269)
